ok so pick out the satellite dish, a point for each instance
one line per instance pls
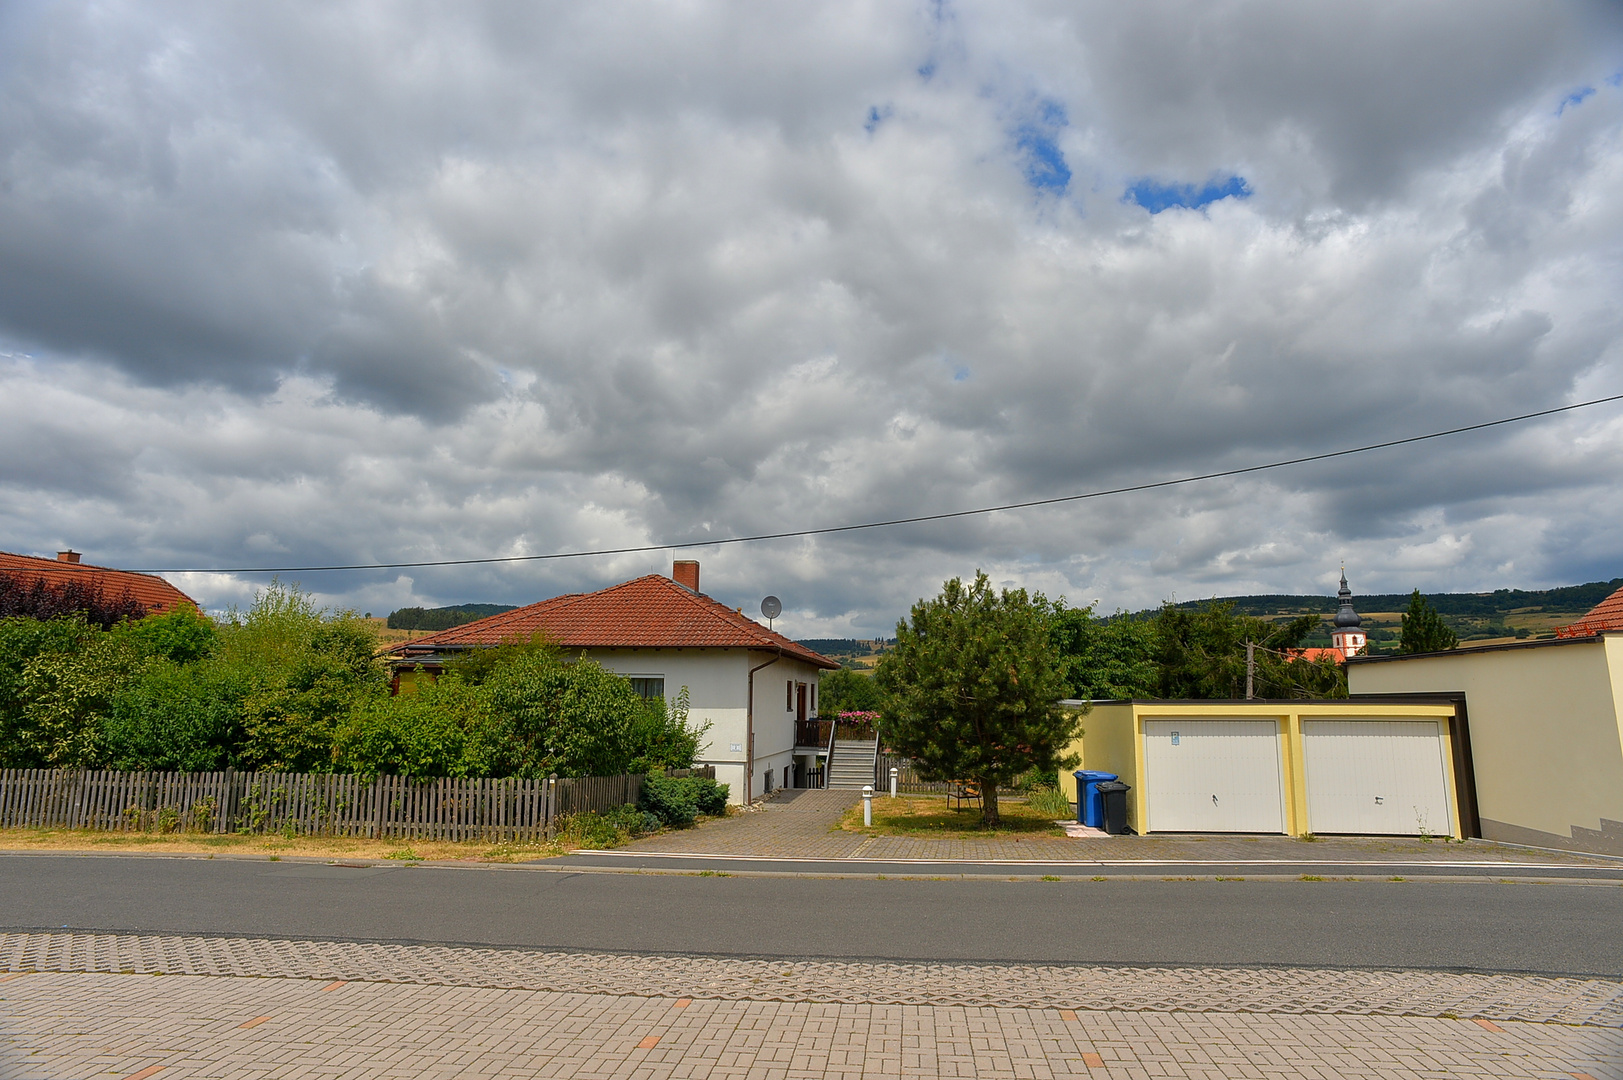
(771, 607)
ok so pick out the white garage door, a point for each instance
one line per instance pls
(1376, 777)
(1213, 776)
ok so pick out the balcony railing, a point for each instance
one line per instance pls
(815, 732)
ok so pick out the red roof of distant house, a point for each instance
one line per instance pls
(1606, 615)
(1317, 653)
(152, 592)
(651, 612)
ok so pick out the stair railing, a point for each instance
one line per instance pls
(828, 762)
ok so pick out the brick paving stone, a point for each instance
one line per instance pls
(108, 1026)
(840, 986)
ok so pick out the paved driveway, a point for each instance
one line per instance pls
(801, 824)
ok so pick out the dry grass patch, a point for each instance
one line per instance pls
(321, 847)
(908, 815)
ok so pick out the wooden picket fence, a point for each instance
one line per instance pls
(309, 804)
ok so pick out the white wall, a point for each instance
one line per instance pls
(718, 693)
(1546, 744)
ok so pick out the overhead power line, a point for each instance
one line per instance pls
(892, 522)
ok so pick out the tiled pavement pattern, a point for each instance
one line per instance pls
(1593, 1002)
(801, 824)
(123, 1027)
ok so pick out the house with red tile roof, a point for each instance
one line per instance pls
(148, 590)
(755, 687)
(1604, 616)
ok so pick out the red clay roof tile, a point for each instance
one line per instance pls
(651, 612)
(156, 594)
(1606, 615)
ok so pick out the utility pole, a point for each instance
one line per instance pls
(1250, 668)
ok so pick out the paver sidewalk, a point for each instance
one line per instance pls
(804, 824)
(120, 1027)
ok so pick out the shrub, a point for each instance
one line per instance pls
(709, 796)
(570, 719)
(185, 717)
(608, 829)
(660, 737)
(678, 800)
(411, 735)
(182, 635)
(670, 799)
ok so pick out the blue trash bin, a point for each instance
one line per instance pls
(1090, 808)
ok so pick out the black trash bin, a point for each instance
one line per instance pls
(1114, 796)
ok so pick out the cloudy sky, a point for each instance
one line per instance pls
(289, 284)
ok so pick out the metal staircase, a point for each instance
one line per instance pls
(851, 762)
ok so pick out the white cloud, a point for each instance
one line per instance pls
(371, 284)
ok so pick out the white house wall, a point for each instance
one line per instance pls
(718, 694)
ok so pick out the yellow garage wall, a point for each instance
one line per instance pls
(1113, 741)
(1106, 745)
(1546, 744)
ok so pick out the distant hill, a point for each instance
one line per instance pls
(1569, 599)
(442, 618)
(1505, 614)
(855, 653)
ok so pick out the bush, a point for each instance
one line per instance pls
(608, 829)
(185, 717)
(709, 796)
(677, 800)
(660, 738)
(415, 735)
(570, 719)
(670, 799)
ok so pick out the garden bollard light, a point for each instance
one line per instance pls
(893, 771)
(867, 805)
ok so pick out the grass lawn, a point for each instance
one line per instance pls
(85, 841)
(924, 815)
(328, 847)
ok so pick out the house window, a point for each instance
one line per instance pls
(814, 697)
(647, 688)
(789, 698)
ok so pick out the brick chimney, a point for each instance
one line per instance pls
(685, 572)
(67, 556)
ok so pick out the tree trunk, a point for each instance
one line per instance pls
(989, 815)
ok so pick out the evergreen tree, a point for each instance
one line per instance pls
(1424, 629)
(972, 689)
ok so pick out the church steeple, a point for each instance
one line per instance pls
(1348, 635)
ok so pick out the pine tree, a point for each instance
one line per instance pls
(1423, 629)
(972, 689)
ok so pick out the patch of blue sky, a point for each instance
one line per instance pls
(1575, 98)
(1042, 161)
(876, 116)
(1155, 196)
(927, 69)
(960, 374)
(1615, 78)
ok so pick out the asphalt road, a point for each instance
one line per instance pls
(1551, 929)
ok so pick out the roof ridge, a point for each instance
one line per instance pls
(651, 611)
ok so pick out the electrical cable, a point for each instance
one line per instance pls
(892, 522)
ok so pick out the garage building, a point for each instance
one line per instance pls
(1370, 766)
